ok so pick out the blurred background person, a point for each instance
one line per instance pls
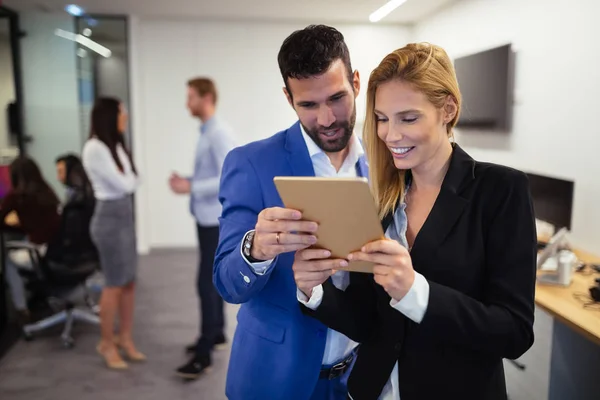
(32, 207)
(214, 142)
(80, 198)
(114, 178)
(71, 173)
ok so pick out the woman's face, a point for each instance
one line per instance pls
(122, 119)
(61, 172)
(412, 128)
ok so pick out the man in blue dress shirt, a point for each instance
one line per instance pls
(214, 142)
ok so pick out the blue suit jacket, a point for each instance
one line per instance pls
(277, 351)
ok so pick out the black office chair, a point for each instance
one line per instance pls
(70, 260)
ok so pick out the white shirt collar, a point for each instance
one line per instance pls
(356, 148)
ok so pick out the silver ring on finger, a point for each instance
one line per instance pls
(277, 238)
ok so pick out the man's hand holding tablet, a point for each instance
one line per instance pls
(281, 230)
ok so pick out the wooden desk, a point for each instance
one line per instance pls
(575, 336)
(561, 303)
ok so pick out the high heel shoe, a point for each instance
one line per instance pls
(112, 363)
(130, 351)
(134, 355)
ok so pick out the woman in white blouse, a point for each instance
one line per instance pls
(114, 178)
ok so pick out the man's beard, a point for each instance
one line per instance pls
(337, 144)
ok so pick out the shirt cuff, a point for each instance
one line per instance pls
(259, 268)
(414, 303)
(315, 297)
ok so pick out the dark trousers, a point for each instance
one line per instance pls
(211, 303)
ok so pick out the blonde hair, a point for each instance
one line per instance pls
(429, 70)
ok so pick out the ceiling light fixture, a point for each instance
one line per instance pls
(384, 10)
(90, 44)
(74, 10)
(87, 42)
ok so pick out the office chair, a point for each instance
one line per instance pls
(70, 260)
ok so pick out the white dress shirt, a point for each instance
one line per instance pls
(107, 181)
(413, 305)
(337, 345)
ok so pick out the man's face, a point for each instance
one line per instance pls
(325, 105)
(195, 102)
(61, 172)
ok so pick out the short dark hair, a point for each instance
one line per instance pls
(311, 51)
(204, 86)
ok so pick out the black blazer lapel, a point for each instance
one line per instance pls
(449, 204)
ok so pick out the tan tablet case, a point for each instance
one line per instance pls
(344, 208)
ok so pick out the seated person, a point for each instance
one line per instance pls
(32, 206)
(75, 244)
(70, 172)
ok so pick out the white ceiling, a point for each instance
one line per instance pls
(338, 11)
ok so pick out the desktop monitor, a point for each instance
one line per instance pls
(552, 200)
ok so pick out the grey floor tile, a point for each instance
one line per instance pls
(166, 321)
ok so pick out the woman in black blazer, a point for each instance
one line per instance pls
(453, 290)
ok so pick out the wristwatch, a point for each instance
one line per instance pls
(247, 248)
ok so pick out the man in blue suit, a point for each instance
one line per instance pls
(277, 352)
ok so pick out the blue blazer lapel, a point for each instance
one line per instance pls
(298, 156)
(362, 167)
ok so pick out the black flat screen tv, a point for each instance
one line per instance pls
(485, 81)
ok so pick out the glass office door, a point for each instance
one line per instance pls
(11, 142)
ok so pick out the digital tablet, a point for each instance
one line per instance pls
(344, 208)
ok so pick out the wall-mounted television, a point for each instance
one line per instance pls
(486, 85)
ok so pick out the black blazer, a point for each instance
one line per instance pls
(477, 250)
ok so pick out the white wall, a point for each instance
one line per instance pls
(242, 59)
(112, 77)
(7, 87)
(556, 130)
(85, 81)
(50, 89)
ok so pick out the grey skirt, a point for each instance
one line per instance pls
(113, 232)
